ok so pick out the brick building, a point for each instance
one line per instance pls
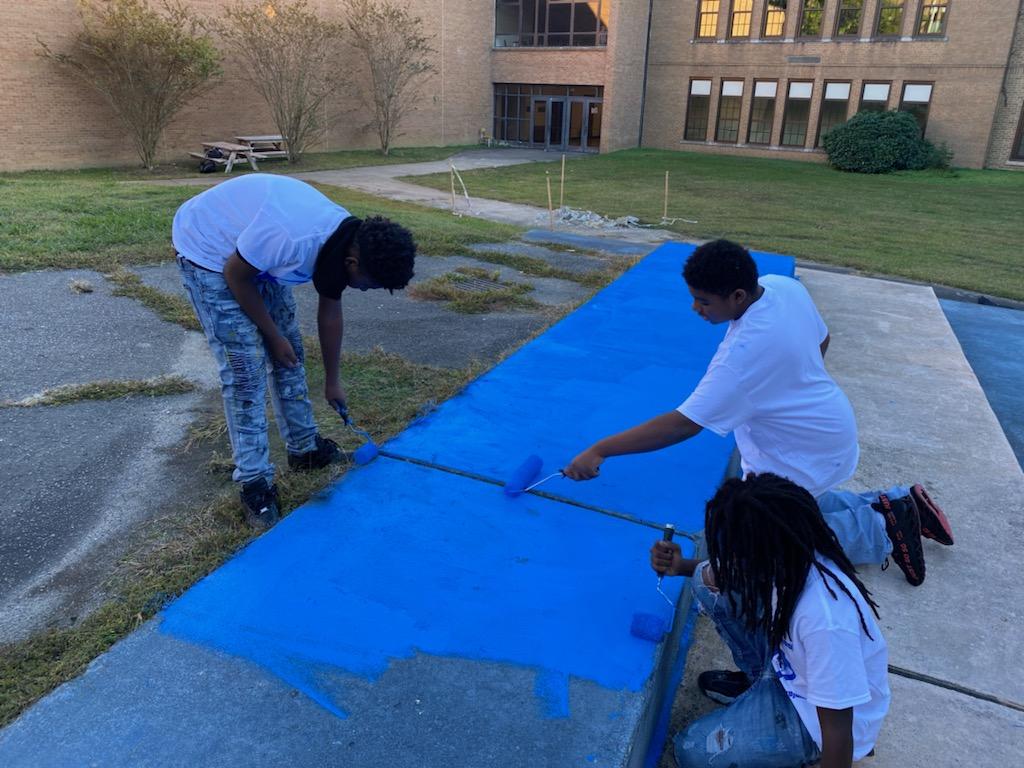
(759, 77)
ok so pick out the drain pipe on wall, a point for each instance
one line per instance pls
(647, 59)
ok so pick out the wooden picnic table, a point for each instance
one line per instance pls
(233, 153)
(264, 146)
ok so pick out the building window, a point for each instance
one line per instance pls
(810, 18)
(834, 108)
(933, 17)
(762, 113)
(697, 108)
(739, 23)
(916, 98)
(848, 18)
(707, 19)
(796, 115)
(550, 23)
(774, 20)
(874, 97)
(890, 18)
(1017, 152)
(730, 102)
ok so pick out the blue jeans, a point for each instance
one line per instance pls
(859, 528)
(242, 356)
(761, 728)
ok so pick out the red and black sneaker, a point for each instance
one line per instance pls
(904, 528)
(934, 524)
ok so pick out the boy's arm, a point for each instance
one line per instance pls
(330, 325)
(836, 737)
(660, 432)
(240, 276)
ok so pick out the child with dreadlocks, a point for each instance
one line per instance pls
(767, 384)
(801, 626)
(241, 247)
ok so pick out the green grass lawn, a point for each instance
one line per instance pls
(963, 228)
(90, 220)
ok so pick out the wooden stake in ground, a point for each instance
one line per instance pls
(451, 172)
(561, 187)
(551, 210)
(664, 212)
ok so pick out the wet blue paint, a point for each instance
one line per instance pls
(992, 339)
(400, 559)
(633, 351)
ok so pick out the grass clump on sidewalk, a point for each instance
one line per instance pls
(385, 392)
(464, 293)
(109, 389)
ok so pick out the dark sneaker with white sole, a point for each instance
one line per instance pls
(903, 525)
(326, 452)
(934, 524)
(259, 503)
(723, 686)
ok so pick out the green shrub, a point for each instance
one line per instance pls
(880, 142)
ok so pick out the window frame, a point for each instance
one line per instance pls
(821, 21)
(785, 112)
(600, 33)
(750, 117)
(922, 4)
(732, 17)
(931, 98)
(824, 100)
(864, 84)
(860, 23)
(1018, 141)
(768, 7)
(739, 115)
(718, 20)
(876, 35)
(689, 97)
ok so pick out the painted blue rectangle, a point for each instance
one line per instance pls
(400, 559)
(633, 351)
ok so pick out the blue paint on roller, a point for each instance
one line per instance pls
(524, 476)
(365, 453)
(648, 626)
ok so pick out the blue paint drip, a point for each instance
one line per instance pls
(552, 688)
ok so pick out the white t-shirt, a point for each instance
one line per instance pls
(276, 223)
(767, 383)
(827, 660)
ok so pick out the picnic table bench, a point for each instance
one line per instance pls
(232, 154)
(265, 145)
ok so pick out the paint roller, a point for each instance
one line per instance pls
(652, 626)
(368, 451)
(524, 478)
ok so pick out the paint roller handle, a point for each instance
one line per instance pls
(342, 409)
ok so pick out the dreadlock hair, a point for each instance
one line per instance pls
(386, 252)
(763, 535)
(721, 267)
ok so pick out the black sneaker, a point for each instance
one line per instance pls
(326, 452)
(259, 501)
(722, 685)
(903, 524)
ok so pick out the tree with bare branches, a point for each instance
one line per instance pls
(398, 56)
(147, 63)
(290, 56)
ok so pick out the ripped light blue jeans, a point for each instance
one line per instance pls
(859, 527)
(241, 354)
(761, 728)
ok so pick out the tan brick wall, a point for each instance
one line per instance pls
(49, 119)
(627, 42)
(1010, 106)
(966, 67)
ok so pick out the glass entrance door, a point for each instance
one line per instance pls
(566, 123)
(549, 125)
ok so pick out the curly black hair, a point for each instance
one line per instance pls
(386, 252)
(764, 534)
(721, 267)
